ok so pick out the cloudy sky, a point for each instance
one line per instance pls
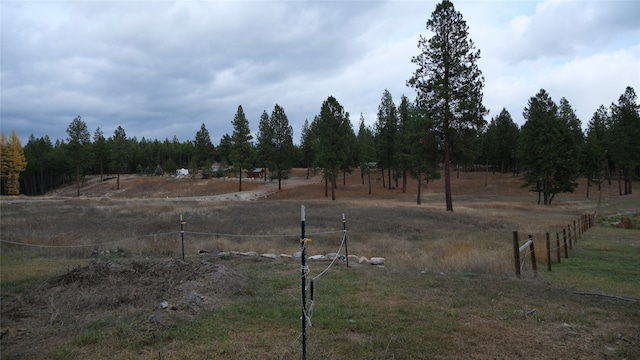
(162, 68)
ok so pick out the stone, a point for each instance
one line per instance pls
(286, 256)
(317, 257)
(269, 256)
(377, 261)
(363, 260)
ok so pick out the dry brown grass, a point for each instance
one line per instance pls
(448, 274)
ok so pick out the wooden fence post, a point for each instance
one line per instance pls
(533, 257)
(564, 239)
(576, 232)
(548, 253)
(516, 252)
(569, 236)
(558, 246)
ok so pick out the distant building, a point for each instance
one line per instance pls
(182, 172)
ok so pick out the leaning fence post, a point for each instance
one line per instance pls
(344, 230)
(533, 257)
(516, 252)
(576, 232)
(558, 246)
(569, 236)
(564, 240)
(548, 252)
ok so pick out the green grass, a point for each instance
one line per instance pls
(604, 260)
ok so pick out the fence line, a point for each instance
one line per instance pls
(87, 245)
(570, 235)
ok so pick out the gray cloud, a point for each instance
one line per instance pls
(162, 68)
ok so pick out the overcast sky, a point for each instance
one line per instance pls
(163, 68)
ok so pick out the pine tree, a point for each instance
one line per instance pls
(241, 145)
(449, 83)
(547, 150)
(594, 151)
(333, 124)
(204, 151)
(625, 137)
(265, 143)
(119, 153)
(367, 150)
(79, 142)
(386, 131)
(308, 144)
(281, 162)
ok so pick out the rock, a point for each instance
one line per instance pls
(363, 260)
(249, 253)
(269, 256)
(377, 261)
(354, 257)
(331, 256)
(286, 256)
(195, 297)
(317, 257)
(298, 254)
(164, 304)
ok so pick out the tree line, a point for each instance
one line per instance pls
(419, 139)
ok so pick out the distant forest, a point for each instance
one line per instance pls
(400, 145)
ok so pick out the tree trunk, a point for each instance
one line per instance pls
(619, 179)
(118, 181)
(389, 176)
(383, 185)
(240, 180)
(419, 199)
(333, 188)
(326, 185)
(279, 182)
(369, 177)
(447, 174)
(78, 179)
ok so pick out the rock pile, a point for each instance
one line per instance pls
(327, 257)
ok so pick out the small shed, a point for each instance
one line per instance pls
(182, 172)
(257, 173)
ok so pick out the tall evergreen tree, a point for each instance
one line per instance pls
(332, 140)
(265, 142)
(625, 137)
(386, 130)
(594, 151)
(501, 142)
(37, 152)
(100, 150)
(449, 83)
(204, 150)
(282, 159)
(547, 149)
(241, 144)
(119, 153)
(308, 143)
(406, 115)
(79, 142)
(367, 150)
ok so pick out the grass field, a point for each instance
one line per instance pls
(91, 283)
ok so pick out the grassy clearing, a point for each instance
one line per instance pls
(605, 260)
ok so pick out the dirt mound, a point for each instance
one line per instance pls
(176, 284)
(153, 294)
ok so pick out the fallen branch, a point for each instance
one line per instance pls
(609, 296)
